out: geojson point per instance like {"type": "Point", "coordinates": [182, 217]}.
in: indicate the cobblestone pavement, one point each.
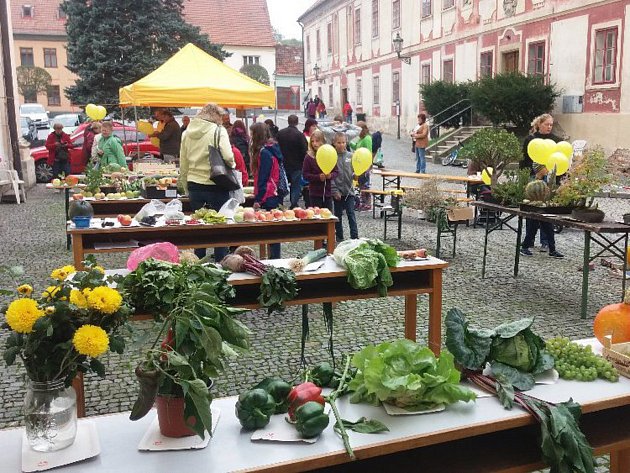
{"type": "Point", "coordinates": [32, 235]}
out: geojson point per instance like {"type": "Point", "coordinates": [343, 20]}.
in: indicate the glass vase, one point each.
{"type": "Point", "coordinates": [50, 415]}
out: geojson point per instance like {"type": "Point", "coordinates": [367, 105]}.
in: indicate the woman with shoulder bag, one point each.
{"type": "Point", "coordinates": [266, 163]}
{"type": "Point", "coordinates": [195, 168]}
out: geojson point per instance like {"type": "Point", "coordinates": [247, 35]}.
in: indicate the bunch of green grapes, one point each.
{"type": "Point", "coordinates": [208, 215]}
{"type": "Point", "coordinates": [578, 362]}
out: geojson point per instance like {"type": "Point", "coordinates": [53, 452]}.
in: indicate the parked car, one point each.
{"type": "Point", "coordinates": [70, 121]}
{"type": "Point", "coordinates": [127, 134]}
{"type": "Point", "coordinates": [35, 112]}
{"type": "Point", "coordinates": [28, 130]}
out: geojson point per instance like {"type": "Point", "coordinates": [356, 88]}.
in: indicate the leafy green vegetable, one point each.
{"type": "Point", "coordinates": [470, 346]}
{"type": "Point", "coordinates": [407, 375]}
{"type": "Point", "coordinates": [367, 263]}
{"type": "Point", "coordinates": [278, 285]}
{"type": "Point", "coordinates": [365, 426]}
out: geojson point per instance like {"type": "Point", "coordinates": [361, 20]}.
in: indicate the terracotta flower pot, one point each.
{"type": "Point", "coordinates": [170, 411]}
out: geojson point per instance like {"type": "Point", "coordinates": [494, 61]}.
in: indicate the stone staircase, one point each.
{"type": "Point", "coordinates": [442, 148]}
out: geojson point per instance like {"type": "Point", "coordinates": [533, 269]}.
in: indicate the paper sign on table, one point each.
{"type": "Point", "coordinates": [153, 440]}
{"type": "Point", "coordinates": [86, 445]}
{"type": "Point", "coordinates": [399, 411]}
{"type": "Point", "coordinates": [279, 430]}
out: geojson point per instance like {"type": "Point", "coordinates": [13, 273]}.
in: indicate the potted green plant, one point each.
{"type": "Point", "coordinates": [586, 177]}
{"type": "Point", "coordinates": [492, 149]}
{"type": "Point", "coordinates": [197, 333]}
{"type": "Point", "coordinates": [511, 190]}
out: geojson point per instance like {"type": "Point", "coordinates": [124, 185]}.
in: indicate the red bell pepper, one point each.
{"type": "Point", "coordinates": [303, 393]}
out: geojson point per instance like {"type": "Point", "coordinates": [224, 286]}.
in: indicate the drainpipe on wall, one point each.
{"type": "Point", "coordinates": [9, 93]}
{"type": "Point", "coordinates": [303, 59]}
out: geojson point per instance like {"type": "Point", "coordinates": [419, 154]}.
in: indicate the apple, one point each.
{"type": "Point", "coordinates": [278, 214]}
{"type": "Point", "coordinates": [56, 182]}
{"type": "Point", "coordinates": [421, 253]}
{"type": "Point", "coordinates": [129, 194]}
{"type": "Point", "coordinates": [325, 213]}
{"type": "Point", "coordinates": [99, 195]}
{"type": "Point", "coordinates": [124, 220]}
{"type": "Point", "coordinates": [249, 215]}
{"type": "Point", "coordinates": [317, 210]}
{"type": "Point", "coordinates": [289, 214]}
{"type": "Point", "coordinates": [77, 196]}
{"type": "Point", "coordinates": [299, 213]}
{"type": "Point", "coordinates": [310, 213]}
{"type": "Point", "coordinates": [239, 217]}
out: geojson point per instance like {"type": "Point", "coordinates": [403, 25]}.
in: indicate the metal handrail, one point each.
{"type": "Point", "coordinates": [448, 108]}
{"type": "Point", "coordinates": [461, 112]}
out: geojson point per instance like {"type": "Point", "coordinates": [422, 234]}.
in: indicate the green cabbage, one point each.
{"type": "Point", "coordinates": [407, 375]}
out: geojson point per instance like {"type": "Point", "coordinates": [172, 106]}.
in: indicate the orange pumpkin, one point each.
{"type": "Point", "coordinates": [72, 181]}
{"type": "Point", "coordinates": [614, 319]}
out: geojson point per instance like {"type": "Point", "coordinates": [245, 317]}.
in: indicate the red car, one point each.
{"type": "Point", "coordinates": [127, 135]}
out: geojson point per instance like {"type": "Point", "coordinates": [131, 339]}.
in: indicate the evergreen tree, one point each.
{"type": "Point", "coordinates": [112, 43]}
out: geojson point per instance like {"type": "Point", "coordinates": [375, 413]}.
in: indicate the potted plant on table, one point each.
{"type": "Point", "coordinates": [586, 177]}
{"type": "Point", "coordinates": [492, 150]}
{"type": "Point", "coordinates": [432, 201]}
{"type": "Point", "coordinates": [197, 332]}
{"type": "Point", "coordinates": [57, 335]}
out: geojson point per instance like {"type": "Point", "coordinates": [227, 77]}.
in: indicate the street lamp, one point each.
{"type": "Point", "coordinates": [316, 70]}
{"type": "Point", "coordinates": [398, 42]}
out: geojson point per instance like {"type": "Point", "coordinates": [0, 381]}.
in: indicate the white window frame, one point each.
{"type": "Point", "coordinates": [490, 49]}
{"type": "Point", "coordinates": [591, 65]}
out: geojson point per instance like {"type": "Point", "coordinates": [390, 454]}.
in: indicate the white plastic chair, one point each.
{"type": "Point", "coordinates": [9, 178]}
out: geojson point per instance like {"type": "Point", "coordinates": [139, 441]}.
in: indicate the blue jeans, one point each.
{"type": "Point", "coordinates": [421, 162]}
{"type": "Point", "coordinates": [270, 204]}
{"type": "Point", "coordinates": [546, 234]}
{"type": "Point", "coordinates": [295, 183]}
{"type": "Point", "coordinates": [346, 203]}
{"type": "Point", "coordinates": [61, 167]}
{"type": "Point", "coordinates": [212, 197]}
{"type": "Point", "coordinates": [349, 118]}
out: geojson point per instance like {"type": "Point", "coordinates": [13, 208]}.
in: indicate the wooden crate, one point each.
{"type": "Point", "coordinates": [618, 354]}
{"type": "Point", "coordinates": [457, 214]}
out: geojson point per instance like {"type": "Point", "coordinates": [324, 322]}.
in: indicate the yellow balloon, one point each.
{"type": "Point", "coordinates": [551, 145]}
{"type": "Point", "coordinates": [536, 149]}
{"type": "Point", "coordinates": [155, 142]}
{"type": "Point", "coordinates": [144, 127]}
{"type": "Point", "coordinates": [486, 176]}
{"type": "Point", "coordinates": [90, 111]}
{"type": "Point", "coordinates": [326, 158]}
{"type": "Point", "coordinates": [559, 161]}
{"type": "Point", "coordinates": [361, 161]}
{"type": "Point", "coordinates": [565, 148]}
{"type": "Point", "coordinates": [101, 112]}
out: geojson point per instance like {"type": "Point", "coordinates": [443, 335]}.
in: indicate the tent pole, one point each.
{"type": "Point", "coordinates": [122, 113]}
{"type": "Point", "coordinates": [135, 116]}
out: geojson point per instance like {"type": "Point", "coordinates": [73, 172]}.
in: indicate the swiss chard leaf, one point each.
{"type": "Point", "coordinates": [470, 346]}
{"type": "Point", "coordinates": [511, 329]}
{"type": "Point", "coordinates": [505, 391]}
{"type": "Point", "coordinates": [518, 379]}
{"type": "Point", "coordinates": [364, 426]}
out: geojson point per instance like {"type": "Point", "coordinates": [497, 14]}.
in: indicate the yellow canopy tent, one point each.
{"type": "Point", "coordinates": [192, 78]}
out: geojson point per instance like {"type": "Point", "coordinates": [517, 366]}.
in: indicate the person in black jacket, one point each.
{"type": "Point", "coordinates": [294, 147]}
{"type": "Point", "coordinates": [541, 128]}
{"type": "Point", "coordinates": [240, 139]}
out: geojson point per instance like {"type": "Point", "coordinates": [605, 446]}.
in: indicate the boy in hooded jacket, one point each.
{"type": "Point", "coordinates": [343, 189]}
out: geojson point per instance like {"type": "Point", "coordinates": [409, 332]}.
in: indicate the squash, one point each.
{"type": "Point", "coordinates": [537, 191]}
{"type": "Point", "coordinates": [80, 208]}
{"type": "Point", "coordinates": [614, 319]}
{"type": "Point", "coordinates": [71, 181]}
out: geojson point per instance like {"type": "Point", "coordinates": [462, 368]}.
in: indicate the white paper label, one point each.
{"type": "Point", "coordinates": [170, 193]}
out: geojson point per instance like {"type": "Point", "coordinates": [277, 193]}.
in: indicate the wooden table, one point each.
{"type": "Point", "coordinates": [66, 203]}
{"type": "Point", "coordinates": [480, 437]}
{"type": "Point", "coordinates": [598, 233]}
{"type": "Point", "coordinates": [112, 208]}
{"type": "Point", "coordinates": [203, 236]}
{"type": "Point", "coordinates": [392, 177]}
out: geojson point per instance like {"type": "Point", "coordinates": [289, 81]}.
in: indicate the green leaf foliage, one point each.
{"type": "Point", "coordinates": [278, 285]}
{"type": "Point", "coordinates": [113, 43]}
{"type": "Point", "coordinates": [492, 148]}
{"type": "Point", "coordinates": [406, 374]}
{"type": "Point", "coordinates": [363, 425]}
{"type": "Point", "coordinates": [440, 95]}
{"type": "Point", "coordinates": [256, 72]}
{"type": "Point", "coordinates": [470, 346]}
{"type": "Point", "coordinates": [512, 98]}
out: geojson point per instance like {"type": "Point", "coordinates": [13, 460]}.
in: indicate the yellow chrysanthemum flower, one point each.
{"type": "Point", "coordinates": [104, 299]}
{"type": "Point", "coordinates": [50, 310]}
{"type": "Point", "coordinates": [50, 292]}
{"type": "Point", "coordinates": [25, 289]}
{"type": "Point", "coordinates": [78, 298]}
{"type": "Point", "coordinates": [62, 273]}
{"type": "Point", "coordinates": [90, 340]}
{"type": "Point", "coordinates": [100, 269]}
{"type": "Point", "coordinates": [22, 314]}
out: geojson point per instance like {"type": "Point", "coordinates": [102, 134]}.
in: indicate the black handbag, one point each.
{"type": "Point", "coordinates": [221, 175]}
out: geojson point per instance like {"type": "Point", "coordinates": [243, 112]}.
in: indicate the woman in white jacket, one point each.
{"type": "Point", "coordinates": [194, 163]}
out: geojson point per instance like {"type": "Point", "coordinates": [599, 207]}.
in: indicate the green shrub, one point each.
{"type": "Point", "coordinates": [256, 72]}
{"type": "Point", "coordinates": [439, 95]}
{"type": "Point", "coordinates": [492, 148]}
{"type": "Point", "coordinates": [512, 98]}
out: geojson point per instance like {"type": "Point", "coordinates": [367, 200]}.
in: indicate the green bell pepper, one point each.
{"type": "Point", "coordinates": [310, 419]}
{"type": "Point", "coordinates": [279, 390]}
{"type": "Point", "coordinates": [254, 409]}
{"type": "Point", "coordinates": [322, 374]}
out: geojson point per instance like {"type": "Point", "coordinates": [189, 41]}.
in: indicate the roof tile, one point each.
{"type": "Point", "coordinates": [289, 60]}
{"type": "Point", "coordinates": [45, 17]}
{"type": "Point", "coordinates": [232, 22]}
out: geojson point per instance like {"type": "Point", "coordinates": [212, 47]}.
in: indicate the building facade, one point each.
{"type": "Point", "coordinates": [8, 92]}
{"type": "Point", "coordinates": [576, 44]}
{"type": "Point", "coordinates": [242, 27]}
{"type": "Point", "coordinates": [289, 77]}
{"type": "Point", "coordinates": [39, 36]}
